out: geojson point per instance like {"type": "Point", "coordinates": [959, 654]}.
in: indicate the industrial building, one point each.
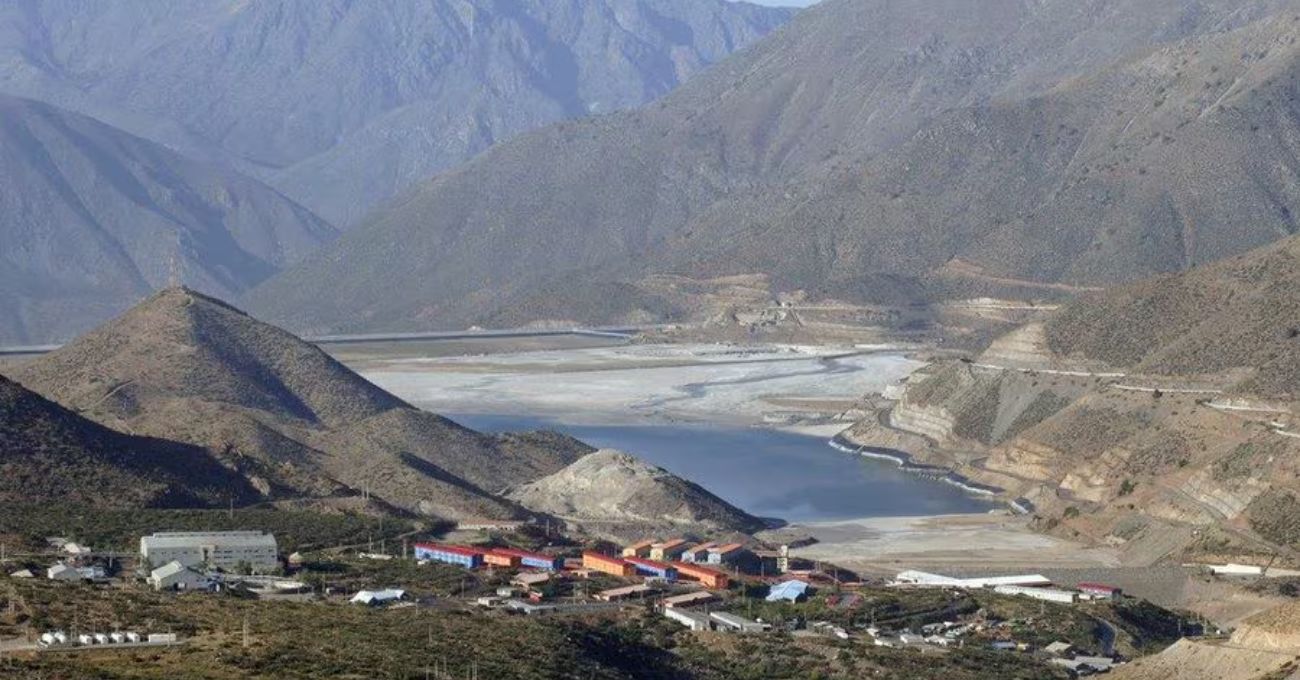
{"type": "Point", "coordinates": [176, 576]}
{"type": "Point", "coordinates": [668, 550]}
{"type": "Point", "coordinates": [789, 591]}
{"type": "Point", "coordinates": [698, 553]}
{"type": "Point", "coordinates": [725, 554]}
{"type": "Point", "coordinates": [62, 572]}
{"type": "Point", "coordinates": [529, 579]}
{"type": "Point", "coordinates": [646, 567]}
{"type": "Point", "coordinates": [533, 560]}
{"type": "Point", "coordinates": [375, 598]}
{"type": "Point", "coordinates": [608, 565]}
{"type": "Point", "coordinates": [690, 619]}
{"type": "Point", "coordinates": [1049, 594]}
{"type": "Point", "coordinates": [496, 558]}
{"type": "Point", "coordinates": [740, 624]}
{"type": "Point", "coordinates": [926, 579]}
{"type": "Point", "coordinates": [464, 556]}
{"type": "Point", "coordinates": [711, 578]}
{"type": "Point", "coordinates": [1100, 591]}
{"type": "Point", "coordinates": [625, 593]}
{"type": "Point", "coordinates": [226, 550]}
{"type": "Point", "coordinates": [690, 599]}
{"type": "Point", "coordinates": [639, 549]}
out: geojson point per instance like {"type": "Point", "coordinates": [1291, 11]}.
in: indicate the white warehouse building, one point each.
{"type": "Point", "coordinates": [227, 550]}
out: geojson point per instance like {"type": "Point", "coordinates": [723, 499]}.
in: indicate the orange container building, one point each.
{"type": "Point", "coordinates": [711, 578]}
{"type": "Point", "coordinates": [499, 559]}
{"type": "Point", "coordinates": [609, 565]}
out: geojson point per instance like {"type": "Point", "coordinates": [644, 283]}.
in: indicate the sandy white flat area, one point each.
{"type": "Point", "coordinates": [703, 382]}
{"type": "Point", "coordinates": [984, 541]}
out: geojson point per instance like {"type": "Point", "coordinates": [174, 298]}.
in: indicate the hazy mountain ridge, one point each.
{"type": "Point", "coordinates": [344, 104]}
{"type": "Point", "coordinates": [863, 149]}
{"type": "Point", "coordinates": [292, 420]}
{"type": "Point", "coordinates": [95, 219]}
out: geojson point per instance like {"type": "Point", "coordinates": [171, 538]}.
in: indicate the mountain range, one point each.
{"type": "Point", "coordinates": [220, 406]}
{"type": "Point", "coordinates": [93, 219]}
{"type": "Point", "coordinates": [295, 423]}
{"type": "Point", "coordinates": [342, 104]}
{"type": "Point", "coordinates": [868, 151]}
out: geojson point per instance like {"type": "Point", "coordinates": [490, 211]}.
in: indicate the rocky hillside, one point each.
{"type": "Point", "coordinates": [1239, 319]}
{"type": "Point", "coordinates": [95, 219]}
{"type": "Point", "coordinates": [51, 455]}
{"type": "Point", "coordinates": [618, 495]}
{"type": "Point", "coordinates": [293, 421]}
{"type": "Point", "coordinates": [343, 104]}
{"type": "Point", "coordinates": [1160, 416]}
{"type": "Point", "coordinates": [869, 151]}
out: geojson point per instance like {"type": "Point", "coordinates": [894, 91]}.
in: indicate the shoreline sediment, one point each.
{"type": "Point", "coordinates": [905, 463]}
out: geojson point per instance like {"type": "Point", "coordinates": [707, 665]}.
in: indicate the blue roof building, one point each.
{"type": "Point", "coordinates": [790, 591]}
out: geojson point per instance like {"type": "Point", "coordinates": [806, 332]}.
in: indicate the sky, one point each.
{"type": "Point", "coordinates": [784, 3]}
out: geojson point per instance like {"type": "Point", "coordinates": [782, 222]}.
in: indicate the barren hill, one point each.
{"type": "Point", "coordinates": [1239, 317]}
{"type": "Point", "coordinates": [49, 454]}
{"type": "Point", "coordinates": [868, 151]}
{"type": "Point", "coordinates": [613, 493]}
{"type": "Point", "coordinates": [95, 219]}
{"type": "Point", "coordinates": [187, 367]}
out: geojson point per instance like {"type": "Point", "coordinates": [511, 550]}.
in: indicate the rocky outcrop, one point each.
{"type": "Point", "coordinates": [613, 493]}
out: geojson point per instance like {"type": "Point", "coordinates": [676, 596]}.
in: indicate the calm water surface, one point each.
{"type": "Point", "coordinates": [767, 473]}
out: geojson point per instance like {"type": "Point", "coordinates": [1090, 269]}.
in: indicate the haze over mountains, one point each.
{"type": "Point", "coordinates": [342, 104]}
{"type": "Point", "coordinates": [92, 219]}
{"type": "Point", "coordinates": [869, 151]}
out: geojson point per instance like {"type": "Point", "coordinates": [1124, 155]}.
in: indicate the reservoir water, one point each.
{"type": "Point", "coordinates": [766, 472]}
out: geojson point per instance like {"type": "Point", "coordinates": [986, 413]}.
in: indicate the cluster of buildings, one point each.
{"type": "Point", "coordinates": [1035, 586]}
{"type": "Point", "coordinates": [722, 621]}
{"type": "Point", "coordinates": [629, 567]}
{"type": "Point", "coordinates": [678, 549]}
{"type": "Point", "coordinates": [252, 551]}
{"type": "Point", "coordinates": [59, 638]}
{"type": "Point", "coordinates": [473, 558]}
